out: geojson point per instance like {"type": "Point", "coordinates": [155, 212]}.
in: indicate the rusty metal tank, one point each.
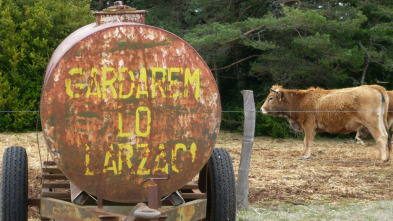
{"type": "Point", "coordinates": [123, 102]}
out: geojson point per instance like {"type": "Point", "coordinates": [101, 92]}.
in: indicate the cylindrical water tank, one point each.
{"type": "Point", "coordinates": [123, 102]}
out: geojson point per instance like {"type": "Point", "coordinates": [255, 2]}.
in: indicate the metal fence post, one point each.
{"type": "Point", "coordinates": [242, 189]}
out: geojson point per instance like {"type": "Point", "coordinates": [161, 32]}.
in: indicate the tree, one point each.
{"type": "Point", "coordinates": [248, 44]}
{"type": "Point", "coordinates": [376, 41]}
{"type": "Point", "coordinates": [29, 33]}
{"type": "Point", "coordinates": [330, 44]}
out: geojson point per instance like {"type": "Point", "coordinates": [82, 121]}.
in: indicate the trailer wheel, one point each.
{"type": "Point", "coordinates": [13, 202]}
{"type": "Point", "coordinates": [217, 180]}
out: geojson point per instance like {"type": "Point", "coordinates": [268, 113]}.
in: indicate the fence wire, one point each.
{"type": "Point", "coordinates": [300, 111]}
{"type": "Point", "coordinates": [239, 111]}
{"type": "Point", "coordinates": [326, 160]}
{"type": "Point", "coordinates": [304, 111]}
{"type": "Point", "coordinates": [19, 111]}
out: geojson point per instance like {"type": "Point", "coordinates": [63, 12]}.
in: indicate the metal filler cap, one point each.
{"type": "Point", "coordinates": [123, 102]}
{"type": "Point", "coordinates": [120, 13]}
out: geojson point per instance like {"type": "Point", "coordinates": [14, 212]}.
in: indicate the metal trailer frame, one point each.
{"type": "Point", "coordinates": [213, 197]}
{"type": "Point", "coordinates": [63, 210]}
{"type": "Point", "coordinates": [56, 202]}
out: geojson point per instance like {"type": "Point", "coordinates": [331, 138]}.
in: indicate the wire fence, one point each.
{"type": "Point", "coordinates": [326, 160]}
{"type": "Point", "coordinates": [19, 111]}
{"type": "Point", "coordinates": [238, 111]}
{"type": "Point", "coordinates": [224, 111]}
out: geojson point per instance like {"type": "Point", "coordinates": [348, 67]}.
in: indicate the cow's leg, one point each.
{"type": "Point", "coordinates": [308, 140]}
{"type": "Point", "coordinates": [358, 139]}
{"type": "Point", "coordinates": [389, 130]}
{"type": "Point", "coordinates": [380, 135]}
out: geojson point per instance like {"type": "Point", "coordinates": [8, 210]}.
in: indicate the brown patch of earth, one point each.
{"type": "Point", "coordinates": [339, 169]}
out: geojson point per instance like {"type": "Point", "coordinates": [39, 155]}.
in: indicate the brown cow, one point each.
{"type": "Point", "coordinates": [363, 133]}
{"type": "Point", "coordinates": [334, 111]}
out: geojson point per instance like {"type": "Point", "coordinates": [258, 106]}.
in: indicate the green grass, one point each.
{"type": "Point", "coordinates": [381, 210]}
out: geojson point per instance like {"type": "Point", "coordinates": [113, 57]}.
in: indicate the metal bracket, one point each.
{"type": "Point", "coordinates": [176, 199]}
{"type": "Point", "coordinates": [160, 178]}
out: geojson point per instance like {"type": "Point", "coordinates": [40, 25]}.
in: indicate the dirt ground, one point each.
{"type": "Point", "coordinates": [339, 169]}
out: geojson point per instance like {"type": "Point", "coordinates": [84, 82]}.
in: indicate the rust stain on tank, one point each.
{"type": "Point", "coordinates": [122, 102]}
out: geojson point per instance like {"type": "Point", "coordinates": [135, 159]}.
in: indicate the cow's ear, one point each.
{"type": "Point", "coordinates": [281, 94]}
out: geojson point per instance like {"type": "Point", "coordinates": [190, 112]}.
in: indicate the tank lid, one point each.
{"type": "Point", "coordinates": [120, 13]}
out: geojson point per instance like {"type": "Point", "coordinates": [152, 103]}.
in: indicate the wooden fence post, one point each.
{"type": "Point", "coordinates": [242, 189]}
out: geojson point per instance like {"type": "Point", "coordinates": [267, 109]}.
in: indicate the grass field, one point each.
{"type": "Point", "coordinates": [380, 210]}
{"type": "Point", "coordinates": [343, 181]}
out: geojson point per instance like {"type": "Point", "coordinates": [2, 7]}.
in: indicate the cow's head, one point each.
{"type": "Point", "coordinates": [274, 102]}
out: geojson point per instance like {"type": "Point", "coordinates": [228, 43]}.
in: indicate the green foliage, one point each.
{"type": "Point", "coordinates": [29, 33]}
{"type": "Point", "coordinates": [274, 127]}
{"type": "Point", "coordinates": [330, 44]}
{"type": "Point", "coordinates": [233, 120]}
{"type": "Point", "coordinates": [211, 35]}
{"type": "Point", "coordinates": [249, 44]}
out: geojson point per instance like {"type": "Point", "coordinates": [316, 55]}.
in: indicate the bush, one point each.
{"type": "Point", "coordinates": [273, 126]}
{"type": "Point", "coordinates": [30, 31]}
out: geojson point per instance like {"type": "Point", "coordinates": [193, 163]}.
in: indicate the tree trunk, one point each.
{"type": "Point", "coordinates": [364, 73]}
{"type": "Point", "coordinates": [241, 84]}
{"type": "Point", "coordinates": [216, 74]}
{"type": "Point", "coordinates": [367, 60]}
{"type": "Point", "coordinates": [240, 76]}
{"type": "Point", "coordinates": [241, 80]}
{"type": "Point", "coordinates": [101, 4]}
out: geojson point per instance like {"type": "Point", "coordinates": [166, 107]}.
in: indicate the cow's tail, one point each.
{"type": "Point", "coordinates": [385, 104]}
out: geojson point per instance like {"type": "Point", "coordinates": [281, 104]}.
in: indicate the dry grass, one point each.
{"type": "Point", "coordinates": [346, 172]}
{"type": "Point", "coordinates": [276, 174]}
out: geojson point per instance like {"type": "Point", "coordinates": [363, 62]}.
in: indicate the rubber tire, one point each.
{"type": "Point", "coordinates": [14, 185]}
{"type": "Point", "coordinates": [217, 180]}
